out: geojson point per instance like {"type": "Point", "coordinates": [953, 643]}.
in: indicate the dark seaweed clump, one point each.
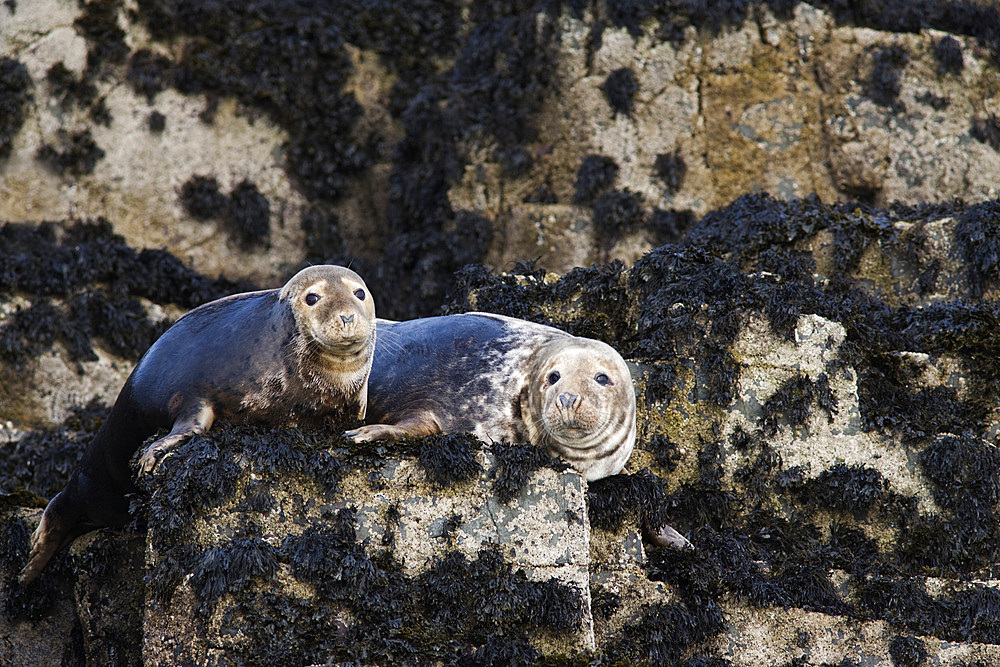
{"type": "Point", "coordinates": [98, 24]}
{"type": "Point", "coordinates": [514, 465]}
{"type": "Point", "coordinates": [618, 212]}
{"type": "Point", "coordinates": [75, 153]}
{"type": "Point", "coordinates": [986, 130]}
{"type": "Point", "coordinates": [157, 122]}
{"type": "Point", "coordinates": [249, 216]}
{"type": "Point", "coordinates": [40, 462]}
{"type": "Point", "coordinates": [790, 404]}
{"type": "Point", "coordinates": [450, 458]}
{"type": "Point", "coordinates": [34, 602]}
{"type": "Point", "coordinates": [596, 174]}
{"type": "Point", "coordinates": [671, 169]}
{"type": "Point", "coordinates": [148, 73]}
{"type": "Point", "coordinates": [619, 88]}
{"type": "Point", "coordinates": [948, 53]}
{"type": "Point", "coordinates": [15, 94]}
{"type": "Point", "coordinates": [67, 89]}
{"type": "Point", "coordinates": [976, 234]}
{"type": "Point", "coordinates": [202, 199]}
{"type": "Point", "coordinates": [883, 85]}
{"type": "Point", "coordinates": [246, 211]}
{"type": "Point", "coordinates": [907, 651]}
{"type": "Point", "coordinates": [98, 277]}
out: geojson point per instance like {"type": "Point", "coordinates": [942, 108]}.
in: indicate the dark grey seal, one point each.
{"type": "Point", "coordinates": [275, 356]}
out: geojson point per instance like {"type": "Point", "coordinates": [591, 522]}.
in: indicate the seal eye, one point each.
{"type": "Point", "coordinates": [553, 377]}
{"type": "Point", "coordinates": [602, 379]}
{"type": "Point", "coordinates": [312, 298]}
{"type": "Point", "coordinates": [360, 293]}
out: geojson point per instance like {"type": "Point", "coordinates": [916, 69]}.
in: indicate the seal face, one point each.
{"type": "Point", "coordinates": [274, 356]}
{"type": "Point", "coordinates": [503, 378]}
{"type": "Point", "coordinates": [581, 404]}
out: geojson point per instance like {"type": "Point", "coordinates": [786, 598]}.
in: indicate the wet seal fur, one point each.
{"type": "Point", "coordinates": [276, 356]}
{"type": "Point", "coordinates": [503, 378]}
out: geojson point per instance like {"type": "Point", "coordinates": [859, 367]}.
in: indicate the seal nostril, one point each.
{"type": "Point", "coordinates": [347, 318]}
{"type": "Point", "coordinates": [568, 400]}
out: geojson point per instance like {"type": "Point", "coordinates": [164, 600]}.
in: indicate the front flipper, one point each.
{"type": "Point", "coordinates": [194, 420]}
{"type": "Point", "coordinates": [422, 423]}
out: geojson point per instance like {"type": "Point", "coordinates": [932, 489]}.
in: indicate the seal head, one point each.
{"type": "Point", "coordinates": [335, 331]}
{"type": "Point", "coordinates": [579, 403]}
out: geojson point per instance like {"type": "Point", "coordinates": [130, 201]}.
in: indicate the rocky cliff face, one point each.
{"type": "Point", "coordinates": [789, 214]}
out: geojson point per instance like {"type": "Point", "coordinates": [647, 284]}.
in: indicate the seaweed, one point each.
{"type": "Point", "coordinates": [148, 73]}
{"type": "Point", "coordinates": [323, 241]}
{"type": "Point", "coordinates": [671, 169]}
{"type": "Point", "coordinates": [228, 569]}
{"type": "Point", "coordinates": [883, 86]}
{"type": "Point", "coordinates": [41, 460]}
{"type": "Point", "coordinates": [15, 95]}
{"type": "Point", "coordinates": [666, 632]}
{"type": "Point", "coordinates": [855, 489]}
{"type": "Point", "coordinates": [619, 88]}
{"type": "Point", "coordinates": [248, 218]}
{"type": "Point", "coordinates": [617, 212]}
{"type": "Point", "coordinates": [514, 465]}
{"type": "Point", "coordinates": [98, 278]}
{"type": "Point", "coordinates": [791, 402]}
{"type": "Point", "coordinates": [987, 131]}
{"type": "Point", "coordinates": [157, 122]}
{"type": "Point", "coordinates": [449, 459]}
{"type": "Point", "coordinates": [75, 153]}
{"type": "Point", "coordinates": [595, 174]}
{"type": "Point", "coordinates": [98, 24]}
{"type": "Point", "coordinates": [907, 651]}
{"type": "Point", "coordinates": [948, 52]}
{"type": "Point", "coordinates": [202, 199]}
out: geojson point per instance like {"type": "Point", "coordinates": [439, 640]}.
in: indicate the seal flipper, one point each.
{"type": "Point", "coordinates": [418, 423]}
{"type": "Point", "coordinates": [194, 420]}
{"type": "Point", "coordinates": [56, 529]}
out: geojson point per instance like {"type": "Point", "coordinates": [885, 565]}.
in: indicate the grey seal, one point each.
{"type": "Point", "coordinates": [503, 378]}
{"type": "Point", "coordinates": [277, 356]}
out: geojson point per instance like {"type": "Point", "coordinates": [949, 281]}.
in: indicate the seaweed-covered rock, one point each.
{"type": "Point", "coordinates": [361, 556]}
{"type": "Point", "coordinates": [817, 381]}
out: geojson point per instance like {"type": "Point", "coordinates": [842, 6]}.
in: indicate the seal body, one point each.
{"type": "Point", "coordinates": [502, 378]}
{"type": "Point", "coordinates": [274, 356]}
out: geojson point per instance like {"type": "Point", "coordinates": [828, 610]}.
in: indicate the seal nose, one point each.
{"type": "Point", "coordinates": [568, 400]}
{"type": "Point", "coordinates": [347, 318]}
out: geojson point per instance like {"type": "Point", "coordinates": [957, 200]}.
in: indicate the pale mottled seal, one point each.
{"type": "Point", "coordinates": [503, 378]}
{"type": "Point", "coordinates": [275, 356]}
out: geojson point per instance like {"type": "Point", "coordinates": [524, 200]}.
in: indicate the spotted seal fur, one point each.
{"type": "Point", "coordinates": [502, 378]}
